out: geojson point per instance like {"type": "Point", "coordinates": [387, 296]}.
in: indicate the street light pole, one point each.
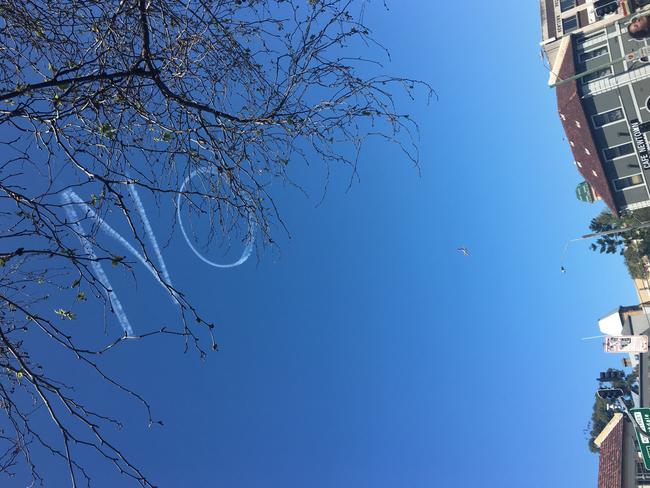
{"type": "Point", "coordinates": [620, 230]}
{"type": "Point", "coordinates": [642, 225]}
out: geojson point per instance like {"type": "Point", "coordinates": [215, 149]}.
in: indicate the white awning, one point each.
{"type": "Point", "coordinates": [611, 325]}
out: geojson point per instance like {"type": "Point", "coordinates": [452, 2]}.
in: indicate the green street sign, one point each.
{"type": "Point", "coordinates": [584, 193]}
{"type": "Point", "coordinates": [641, 424]}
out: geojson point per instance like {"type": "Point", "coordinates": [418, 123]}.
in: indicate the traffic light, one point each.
{"type": "Point", "coordinates": [610, 393]}
{"type": "Point", "coordinates": [611, 375]}
{"type": "Point", "coordinates": [604, 7]}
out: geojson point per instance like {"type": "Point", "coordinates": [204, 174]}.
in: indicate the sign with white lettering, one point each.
{"type": "Point", "coordinates": [641, 144]}
{"type": "Point", "coordinates": [642, 424]}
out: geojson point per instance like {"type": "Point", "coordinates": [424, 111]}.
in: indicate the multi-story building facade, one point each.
{"type": "Point", "coordinates": [605, 110]}
{"type": "Point", "coordinates": [563, 17]}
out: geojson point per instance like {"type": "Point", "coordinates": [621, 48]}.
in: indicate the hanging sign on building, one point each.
{"type": "Point", "coordinates": [633, 344]}
{"type": "Point", "coordinates": [641, 145]}
{"type": "Point", "coordinates": [641, 424]}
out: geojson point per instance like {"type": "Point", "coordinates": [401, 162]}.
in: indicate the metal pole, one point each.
{"type": "Point", "coordinates": [642, 225]}
{"type": "Point", "coordinates": [613, 231]}
{"type": "Point", "coordinates": [588, 72]}
{"type": "Point", "coordinates": [633, 56]}
{"type": "Point", "coordinates": [622, 406]}
{"type": "Point", "coordinates": [635, 424]}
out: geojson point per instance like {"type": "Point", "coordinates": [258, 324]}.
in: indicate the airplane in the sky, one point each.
{"type": "Point", "coordinates": [463, 250]}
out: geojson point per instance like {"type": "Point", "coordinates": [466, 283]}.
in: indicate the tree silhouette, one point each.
{"type": "Point", "coordinates": [204, 104]}
{"type": "Point", "coordinates": [634, 245]}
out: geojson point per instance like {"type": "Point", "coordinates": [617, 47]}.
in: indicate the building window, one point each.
{"type": "Point", "coordinates": [594, 53]}
{"type": "Point", "coordinates": [566, 5]}
{"type": "Point", "coordinates": [628, 182]}
{"type": "Point", "coordinates": [597, 75]}
{"type": "Point", "coordinates": [597, 36]}
{"type": "Point", "coordinates": [569, 24]}
{"type": "Point", "coordinates": [605, 7]}
{"type": "Point", "coordinates": [619, 151]}
{"type": "Point", "coordinates": [608, 117]}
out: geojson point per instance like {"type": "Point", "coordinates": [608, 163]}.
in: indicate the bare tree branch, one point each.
{"type": "Point", "coordinates": [204, 106]}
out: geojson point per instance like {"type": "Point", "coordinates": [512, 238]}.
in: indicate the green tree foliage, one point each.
{"type": "Point", "coordinates": [600, 415]}
{"type": "Point", "coordinates": [612, 243]}
{"type": "Point", "coordinates": [633, 245]}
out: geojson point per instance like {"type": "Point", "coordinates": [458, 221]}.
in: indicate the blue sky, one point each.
{"type": "Point", "coordinates": [369, 353]}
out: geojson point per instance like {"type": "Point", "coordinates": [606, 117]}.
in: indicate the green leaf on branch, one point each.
{"type": "Point", "coordinates": [106, 130]}
{"type": "Point", "coordinates": [65, 314]}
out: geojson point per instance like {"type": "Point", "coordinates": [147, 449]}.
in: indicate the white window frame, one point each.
{"type": "Point", "coordinates": [596, 48]}
{"type": "Point", "coordinates": [628, 187]}
{"type": "Point", "coordinates": [574, 17]}
{"type": "Point", "coordinates": [593, 117]}
{"type": "Point", "coordinates": [619, 157]}
{"type": "Point", "coordinates": [592, 35]}
{"type": "Point", "coordinates": [610, 72]}
{"type": "Point", "coordinates": [593, 38]}
{"type": "Point", "coordinates": [568, 8]}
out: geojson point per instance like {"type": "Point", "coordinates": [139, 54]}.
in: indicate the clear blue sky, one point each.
{"type": "Point", "coordinates": [369, 353]}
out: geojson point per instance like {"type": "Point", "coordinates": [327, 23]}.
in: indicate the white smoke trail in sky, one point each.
{"type": "Point", "coordinates": [108, 230]}
{"type": "Point", "coordinates": [250, 240]}
{"type": "Point", "coordinates": [149, 231]}
{"type": "Point", "coordinates": [97, 267]}
{"type": "Point", "coordinates": [70, 199]}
